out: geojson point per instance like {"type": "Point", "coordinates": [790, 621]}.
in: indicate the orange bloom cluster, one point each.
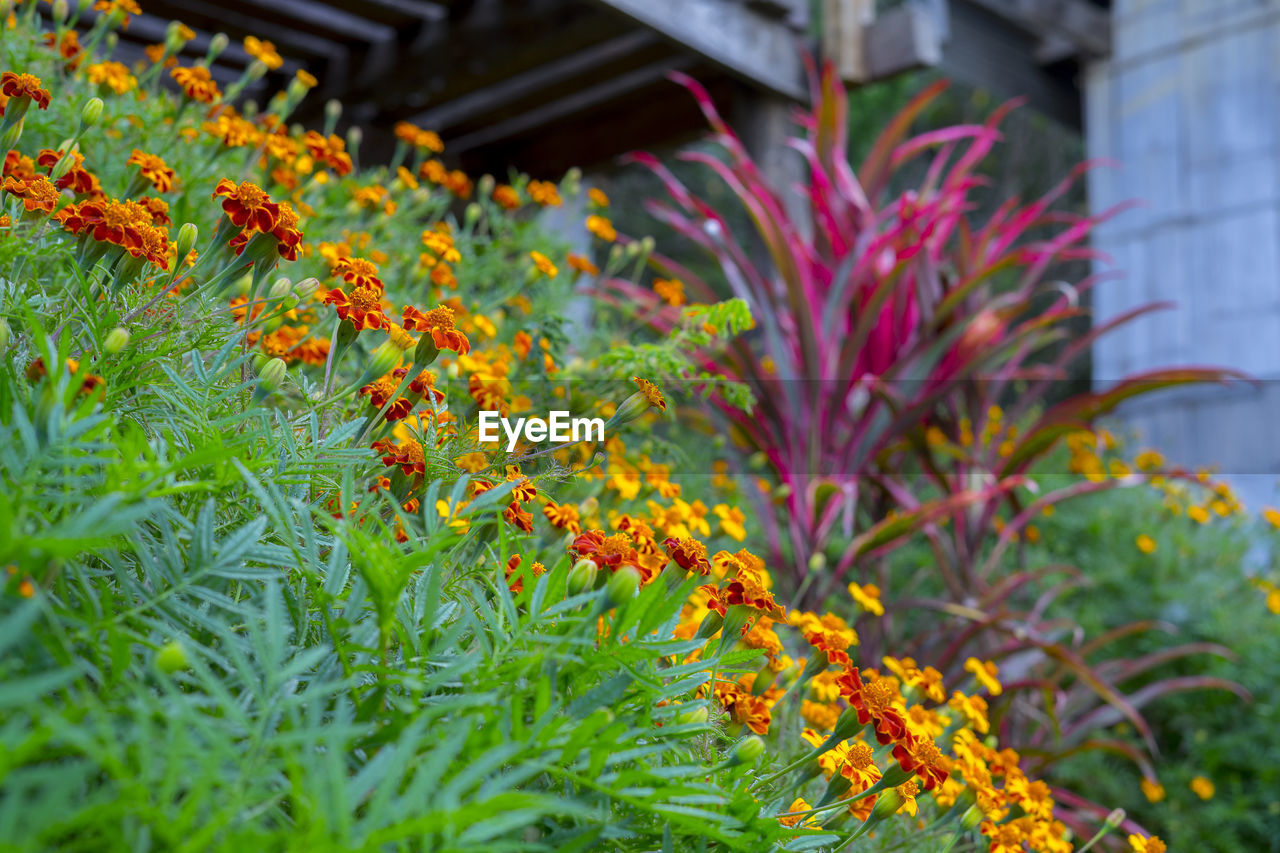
{"type": "Point", "coordinates": [77, 179]}
{"type": "Point", "coordinates": [38, 193]}
{"type": "Point", "coordinates": [331, 151]}
{"type": "Point", "coordinates": [197, 83]}
{"type": "Point", "coordinates": [249, 208]}
{"type": "Point", "coordinates": [455, 181]}
{"type": "Point", "coordinates": [126, 224]}
{"type": "Point", "coordinates": [363, 307]}
{"type": "Point", "coordinates": [411, 134]}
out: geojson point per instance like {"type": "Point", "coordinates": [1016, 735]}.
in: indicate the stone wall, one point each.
{"type": "Point", "coordinates": [1189, 106]}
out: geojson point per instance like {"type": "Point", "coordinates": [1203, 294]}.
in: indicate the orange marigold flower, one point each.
{"type": "Point", "coordinates": [155, 170]}
{"type": "Point", "coordinates": [363, 307]}
{"type": "Point", "coordinates": [506, 196]}
{"type": "Point", "coordinates": [602, 228]}
{"type": "Point", "coordinates": [516, 516]}
{"type": "Point", "coordinates": [263, 51]}
{"type": "Point", "coordinates": [68, 47]}
{"type": "Point", "coordinates": [563, 516]}
{"type": "Point", "coordinates": [114, 75]}
{"type": "Point", "coordinates": [670, 290]}
{"type": "Point", "coordinates": [358, 272]}
{"type": "Point", "coordinates": [418, 138]}
{"type": "Point", "coordinates": [379, 392]}
{"type": "Point", "coordinates": [688, 554]}
{"type": "Point", "coordinates": [16, 86]}
{"type": "Point", "coordinates": [120, 8]}
{"type": "Point", "coordinates": [439, 323]}
{"type": "Point", "coordinates": [583, 264]}
{"type": "Point", "coordinates": [407, 454]}
{"type": "Point", "coordinates": [544, 265]}
{"type": "Point", "coordinates": [37, 371]}
{"type": "Point", "coordinates": [876, 702]}
{"type": "Point", "coordinates": [651, 393]}
{"type": "Point", "coordinates": [545, 193]}
{"type": "Point", "coordinates": [331, 151]}
{"type": "Point", "coordinates": [744, 708]}
{"type": "Point", "coordinates": [248, 205]}
{"type": "Point", "coordinates": [1153, 844]}
{"type": "Point", "coordinates": [38, 194]}
{"type": "Point", "coordinates": [597, 196]}
{"type": "Point", "coordinates": [985, 672]}
{"type": "Point", "coordinates": [922, 757]}
{"type": "Point", "coordinates": [197, 83]}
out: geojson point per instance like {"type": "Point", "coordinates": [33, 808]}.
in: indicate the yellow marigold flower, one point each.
{"type": "Point", "coordinates": [306, 79]}
{"type": "Point", "coordinates": [1202, 787]}
{"type": "Point", "coordinates": [598, 198]}
{"type": "Point", "coordinates": [602, 228]}
{"type": "Point", "coordinates": [867, 597]}
{"type": "Point", "coordinates": [1152, 790]}
{"type": "Point", "coordinates": [461, 525]}
{"type": "Point", "coordinates": [1272, 515]}
{"type": "Point", "coordinates": [544, 265]}
{"type": "Point", "coordinates": [798, 805]}
{"type": "Point", "coordinates": [114, 75]}
{"type": "Point", "coordinates": [985, 672]}
{"type": "Point", "coordinates": [731, 521]}
{"type": "Point", "coordinates": [1198, 514]}
{"type": "Point", "coordinates": [583, 264]}
{"type": "Point", "coordinates": [1138, 844]}
{"type": "Point", "coordinates": [1145, 543]}
{"type": "Point", "coordinates": [544, 193]}
{"type": "Point", "coordinates": [973, 709]}
{"type": "Point", "coordinates": [263, 51]}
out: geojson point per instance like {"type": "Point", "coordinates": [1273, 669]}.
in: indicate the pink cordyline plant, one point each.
{"type": "Point", "coordinates": [878, 319]}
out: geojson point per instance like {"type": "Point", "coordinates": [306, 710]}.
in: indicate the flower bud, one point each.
{"type": "Point", "coordinates": [256, 70]}
{"type": "Point", "coordinates": [332, 109]}
{"type": "Point", "coordinates": [697, 715]}
{"type": "Point", "coordinates": [354, 137]}
{"type": "Point", "coordinates": [472, 214]}
{"type": "Point", "coordinates": [307, 288]}
{"type": "Point", "coordinates": [90, 113]}
{"type": "Point", "coordinates": [59, 10]}
{"type": "Point", "coordinates": [383, 360]}
{"type": "Point", "coordinates": [281, 288]}
{"type": "Point", "coordinates": [270, 377]}
{"type": "Point", "coordinates": [171, 657]}
{"type": "Point", "coordinates": [647, 245]}
{"type": "Point", "coordinates": [747, 751]}
{"type": "Point", "coordinates": [887, 804]}
{"type": "Point", "coordinates": [485, 186]}
{"type": "Point", "coordinates": [217, 45]}
{"type": "Point", "coordinates": [116, 340]}
{"type": "Point", "coordinates": [1116, 818]}
{"type": "Point", "coordinates": [173, 37]}
{"type": "Point", "coordinates": [582, 576]}
{"type": "Point", "coordinates": [186, 241]}
{"type": "Point", "coordinates": [6, 334]}
{"type": "Point", "coordinates": [623, 585]}
{"type": "Point", "coordinates": [632, 250]}
{"type": "Point", "coordinates": [9, 140]}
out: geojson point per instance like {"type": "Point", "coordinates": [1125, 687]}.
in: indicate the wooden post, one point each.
{"type": "Point", "coordinates": [844, 37]}
{"type": "Point", "coordinates": [764, 122]}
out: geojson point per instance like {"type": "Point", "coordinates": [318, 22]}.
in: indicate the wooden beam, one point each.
{"type": "Point", "coordinates": [513, 89]}
{"type": "Point", "coordinates": [584, 99]}
{"type": "Point", "coordinates": [901, 39]}
{"type": "Point", "coordinates": [728, 34]}
{"type": "Point", "coordinates": [1079, 22]}
{"type": "Point", "coordinates": [844, 37]}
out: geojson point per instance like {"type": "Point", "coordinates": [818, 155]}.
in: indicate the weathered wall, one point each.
{"type": "Point", "coordinates": [1189, 104]}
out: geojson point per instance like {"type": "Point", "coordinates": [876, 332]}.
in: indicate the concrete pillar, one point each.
{"type": "Point", "coordinates": [1189, 104]}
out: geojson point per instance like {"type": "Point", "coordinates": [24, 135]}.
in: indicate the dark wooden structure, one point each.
{"type": "Point", "coordinates": [544, 84]}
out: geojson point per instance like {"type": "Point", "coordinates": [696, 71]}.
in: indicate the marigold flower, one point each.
{"type": "Point", "coordinates": [114, 75]}
{"type": "Point", "coordinates": [1145, 543]}
{"type": "Point", "coordinates": [263, 51]}
{"type": "Point", "coordinates": [506, 196]}
{"type": "Point", "coordinates": [1152, 790]}
{"type": "Point", "coordinates": [120, 8]}
{"type": "Point", "coordinates": [563, 516]}
{"type": "Point", "coordinates": [583, 264]}
{"type": "Point", "coordinates": [1153, 844]}
{"type": "Point", "coordinates": [602, 228]}
{"type": "Point", "coordinates": [922, 757]}
{"type": "Point", "coordinates": [413, 135]}
{"type": "Point", "coordinates": [597, 197]}
{"type": "Point", "coordinates": [358, 272]}
{"type": "Point", "coordinates": [1202, 787]}
{"type": "Point", "coordinates": [867, 597]}
{"type": "Point", "coordinates": [973, 709]}
{"type": "Point", "coordinates": [688, 554]}
{"type": "Point", "coordinates": [155, 170]}
{"type": "Point", "coordinates": [76, 178]}
{"type": "Point", "coordinates": [985, 672]}
{"type": "Point", "coordinates": [37, 371]}
{"type": "Point", "coordinates": [332, 151]}
{"type": "Point", "coordinates": [670, 291]}
{"type": "Point", "coordinates": [38, 194]}
{"type": "Point", "coordinates": [197, 83]}
{"type": "Point", "coordinates": [407, 454]}
{"type": "Point", "coordinates": [876, 702]}
{"type": "Point", "coordinates": [439, 323]}
{"type": "Point", "coordinates": [544, 265]}
{"type": "Point", "coordinates": [744, 708]}
{"type": "Point", "coordinates": [248, 205]}
{"type": "Point", "coordinates": [16, 86]}
{"type": "Point", "coordinates": [544, 193]}
{"type": "Point", "coordinates": [379, 393]}
{"type": "Point", "coordinates": [363, 307]}
{"type": "Point", "coordinates": [68, 47]}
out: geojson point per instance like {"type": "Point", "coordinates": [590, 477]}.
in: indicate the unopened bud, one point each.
{"type": "Point", "coordinates": [256, 70]}
{"type": "Point", "coordinates": [6, 334]}
{"type": "Point", "coordinates": [354, 137]}
{"type": "Point", "coordinates": [186, 241]}
{"type": "Point", "coordinates": [1116, 818]}
{"type": "Point", "coordinates": [59, 10]}
{"type": "Point", "coordinates": [485, 185]}
{"type": "Point", "coordinates": [217, 45]}
{"type": "Point", "coordinates": [281, 288]}
{"type": "Point", "coordinates": [90, 113]}
{"type": "Point", "coordinates": [332, 109]}
{"type": "Point", "coordinates": [116, 340]}
{"type": "Point", "coordinates": [307, 288]}
{"type": "Point", "coordinates": [747, 751]}
{"type": "Point", "coordinates": [270, 376]}
{"type": "Point", "coordinates": [582, 576]}
{"type": "Point", "coordinates": [623, 585]}
{"type": "Point", "coordinates": [472, 214]}
{"type": "Point", "coordinates": [697, 715]}
{"type": "Point", "coordinates": [9, 140]}
{"type": "Point", "coordinates": [171, 658]}
{"type": "Point", "coordinates": [817, 562]}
